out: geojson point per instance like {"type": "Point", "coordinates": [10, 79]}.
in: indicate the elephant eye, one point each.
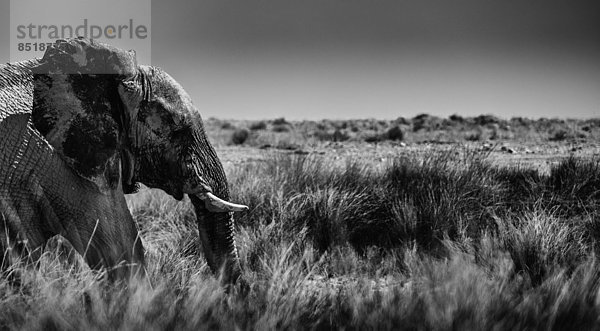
{"type": "Point", "coordinates": [155, 115]}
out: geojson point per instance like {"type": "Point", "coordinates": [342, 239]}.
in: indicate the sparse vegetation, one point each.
{"type": "Point", "coordinates": [423, 128]}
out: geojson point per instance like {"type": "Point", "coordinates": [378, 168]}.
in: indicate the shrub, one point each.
{"type": "Point", "coordinates": [341, 125]}
{"type": "Point", "coordinates": [402, 121]}
{"type": "Point", "coordinates": [322, 126]}
{"type": "Point", "coordinates": [336, 136]}
{"type": "Point", "coordinates": [374, 138]}
{"type": "Point", "coordinates": [474, 136]}
{"type": "Point", "coordinates": [592, 122]}
{"type": "Point", "coordinates": [486, 119]}
{"type": "Point", "coordinates": [322, 135]}
{"type": "Point", "coordinates": [261, 125]}
{"type": "Point", "coordinates": [281, 128]}
{"type": "Point", "coordinates": [240, 136]}
{"type": "Point", "coordinates": [495, 132]}
{"type": "Point", "coordinates": [522, 121]}
{"type": "Point", "coordinates": [559, 135]}
{"type": "Point", "coordinates": [280, 121]}
{"type": "Point", "coordinates": [426, 122]}
{"type": "Point", "coordinates": [227, 126]}
{"type": "Point", "coordinates": [421, 117]}
{"type": "Point", "coordinates": [339, 135]}
{"type": "Point", "coordinates": [456, 118]}
{"type": "Point", "coordinates": [395, 133]}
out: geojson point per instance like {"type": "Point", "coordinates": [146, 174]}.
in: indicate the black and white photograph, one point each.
{"type": "Point", "coordinates": [299, 165]}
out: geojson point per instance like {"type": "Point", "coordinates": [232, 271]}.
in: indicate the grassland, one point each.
{"type": "Point", "coordinates": [422, 229]}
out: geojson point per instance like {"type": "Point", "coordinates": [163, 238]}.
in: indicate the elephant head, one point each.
{"type": "Point", "coordinates": [100, 110]}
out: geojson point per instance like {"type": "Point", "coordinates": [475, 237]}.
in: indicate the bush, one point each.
{"type": "Point", "coordinates": [339, 135]}
{"type": "Point", "coordinates": [280, 121]}
{"type": "Point", "coordinates": [456, 118]}
{"type": "Point", "coordinates": [486, 119]}
{"type": "Point", "coordinates": [322, 135]}
{"type": "Point", "coordinates": [522, 121]}
{"type": "Point", "coordinates": [227, 126]}
{"type": "Point", "coordinates": [281, 128]}
{"type": "Point", "coordinates": [395, 133]}
{"type": "Point", "coordinates": [402, 121]}
{"type": "Point", "coordinates": [559, 135]}
{"type": "Point", "coordinates": [475, 135]}
{"type": "Point", "coordinates": [240, 136]}
{"type": "Point", "coordinates": [336, 136]}
{"type": "Point", "coordinates": [426, 122]}
{"type": "Point", "coordinates": [322, 126]}
{"type": "Point", "coordinates": [374, 138]}
{"type": "Point", "coordinates": [261, 125]}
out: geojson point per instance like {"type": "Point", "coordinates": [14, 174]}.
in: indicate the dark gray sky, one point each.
{"type": "Point", "coordinates": [380, 58]}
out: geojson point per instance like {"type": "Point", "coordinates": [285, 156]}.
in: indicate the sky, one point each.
{"type": "Point", "coordinates": [344, 59]}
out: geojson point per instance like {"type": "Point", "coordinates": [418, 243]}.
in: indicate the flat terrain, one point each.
{"type": "Point", "coordinates": [518, 141]}
{"type": "Point", "coordinates": [525, 155]}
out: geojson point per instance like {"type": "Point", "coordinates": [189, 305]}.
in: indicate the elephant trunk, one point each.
{"type": "Point", "coordinates": [217, 235]}
{"type": "Point", "coordinates": [206, 185]}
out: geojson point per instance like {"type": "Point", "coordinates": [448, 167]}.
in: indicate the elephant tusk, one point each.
{"type": "Point", "coordinates": [216, 205]}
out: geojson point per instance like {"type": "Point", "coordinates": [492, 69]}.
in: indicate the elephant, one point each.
{"type": "Point", "coordinates": [83, 126]}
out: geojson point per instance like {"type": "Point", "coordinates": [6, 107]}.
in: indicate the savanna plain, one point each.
{"type": "Point", "coordinates": [422, 223]}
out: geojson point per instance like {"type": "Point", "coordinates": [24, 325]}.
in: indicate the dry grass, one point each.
{"type": "Point", "coordinates": [438, 241]}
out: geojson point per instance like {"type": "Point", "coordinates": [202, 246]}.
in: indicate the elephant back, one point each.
{"type": "Point", "coordinates": [16, 88]}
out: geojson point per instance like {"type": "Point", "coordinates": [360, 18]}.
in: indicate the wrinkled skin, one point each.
{"type": "Point", "coordinates": [83, 126]}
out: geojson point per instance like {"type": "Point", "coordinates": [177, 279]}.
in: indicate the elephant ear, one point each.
{"type": "Point", "coordinates": [77, 108]}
